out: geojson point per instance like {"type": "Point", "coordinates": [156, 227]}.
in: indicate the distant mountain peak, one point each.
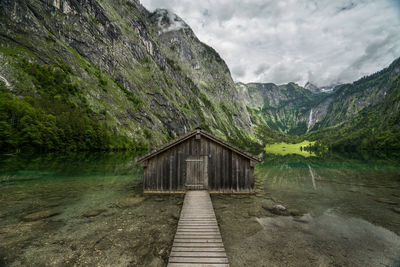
{"type": "Point", "coordinates": [322, 89]}
{"type": "Point", "coordinates": [312, 87]}
{"type": "Point", "coordinates": [168, 21]}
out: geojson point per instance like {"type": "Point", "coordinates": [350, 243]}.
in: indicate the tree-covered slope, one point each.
{"type": "Point", "coordinates": [349, 100]}
{"type": "Point", "coordinates": [102, 74]}
{"type": "Point", "coordinates": [287, 108]}
{"type": "Point", "coordinates": [361, 115]}
{"type": "Point", "coordinates": [365, 124]}
{"type": "Point", "coordinates": [108, 74]}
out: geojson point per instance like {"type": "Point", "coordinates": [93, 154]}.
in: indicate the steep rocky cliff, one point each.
{"type": "Point", "coordinates": [364, 114]}
{"type": "Point", "coordinates": [295, 110]}
{"type": "Point", "coordinates": [142, 75]}
{"type": "Point", "coordinates": [108, 74]}
{"type": "Point", "coordinates": [287, 108]}
{"type": "Point", "coordinates": [349, 100]}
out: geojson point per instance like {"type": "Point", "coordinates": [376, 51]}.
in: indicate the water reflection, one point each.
{"type": "Point", "coordinates": [341, 211]}
{"type": "Point", "coordinates": [365, 188]}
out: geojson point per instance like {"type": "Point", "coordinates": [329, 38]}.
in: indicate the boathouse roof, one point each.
{"type": "Point", "coordinates": [203, 133]}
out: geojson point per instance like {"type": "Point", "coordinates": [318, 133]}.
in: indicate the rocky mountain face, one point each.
{"type": "Point", "coordinates": [312, 87]}
{"type": "Point", "coordinates": [287, 108]}
{"type": "Point", "coordinates": [295, 110]}
{"type": "Point", "coordinates": [364, 114]}
{"type": "Point", "coordinates": [349, 100]}
{"type": "Point", "coordinates": [144, 76]}
{"type": "Point", "coordinates": [108, 74]}
{"type": "Point", "coordinates": [315, 89]}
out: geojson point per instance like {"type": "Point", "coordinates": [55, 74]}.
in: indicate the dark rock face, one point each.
{"type": "Point", "coordinates": [148, 72]}
{"type": "Point", "coordinates": [292, 109]}
{"type": "Point", "coordinates": [142, 72]}
{"type": "Point", "coordinates": [287, 108]}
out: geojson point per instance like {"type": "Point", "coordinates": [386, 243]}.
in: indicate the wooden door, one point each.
{"type": "Point", "coordinates": [196, 172]}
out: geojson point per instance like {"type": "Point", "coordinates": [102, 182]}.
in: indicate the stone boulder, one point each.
{"type": "Point", "coordinates": [129, 201]}
{"type": "Point", "coordinates": [40, 215]}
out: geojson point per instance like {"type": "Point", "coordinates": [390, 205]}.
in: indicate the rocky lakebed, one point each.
{"type": "Point", "coordinates": [313, 213]}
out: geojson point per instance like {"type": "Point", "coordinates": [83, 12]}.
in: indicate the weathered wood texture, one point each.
{"type": "Point", "coordinates": [197, 240]}
{"type": "Point", "coordinates": [225, 170]}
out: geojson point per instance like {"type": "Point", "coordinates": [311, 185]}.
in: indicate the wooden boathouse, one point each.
{"type": "Point", "coordinates": [198, 160]}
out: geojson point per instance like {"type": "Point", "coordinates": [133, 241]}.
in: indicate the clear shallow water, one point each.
{"type": "Point", "coordinates": [81, 208]}
{"type": "Point", "coordinates": [29, 183]}
{"type": "Point", "coordinates": [369, 189]}
{"type": "Point", "coordinates": [89, 209]}
{"type": "Point", "coordinates": [342, 211]}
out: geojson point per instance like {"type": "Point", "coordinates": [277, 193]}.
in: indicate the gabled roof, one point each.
{"type": "Point", "coordinates": [191, 134]}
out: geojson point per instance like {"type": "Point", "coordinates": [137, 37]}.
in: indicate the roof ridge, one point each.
{"type": "Point", "coordinates": [188, 135]}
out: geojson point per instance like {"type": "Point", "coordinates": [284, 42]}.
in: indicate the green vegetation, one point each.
{"type": "Point", "coordinates": [133, 82]}
{"type": "Point", "coordinates": [362, 116]}
{"type": "Point", "coordinates": [374, 128]}
{"type": "Point", "coordinates": [303, 148]}
{"type": "Point", "coordinates": [50, 120]}
{"type": "Point", "coordinates": [284, 107]}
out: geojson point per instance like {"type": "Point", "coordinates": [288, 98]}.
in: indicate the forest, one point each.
{"type": "Point", "coordinates": [53, 118]}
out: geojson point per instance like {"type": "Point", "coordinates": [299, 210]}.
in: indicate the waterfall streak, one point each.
{"type": "Point", "coordinates": [309, 121]}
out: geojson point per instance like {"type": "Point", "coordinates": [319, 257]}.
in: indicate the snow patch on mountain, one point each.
{"type": "Point", "coordinates": [322, 89]}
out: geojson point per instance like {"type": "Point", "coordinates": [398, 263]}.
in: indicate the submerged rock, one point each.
{"type": "Point", "coordinates": [279, 207]}
{"type": "Point", "coordinates": [267, 206]}
{"type": "Point", "coordinates": [276, 209]}
{"type": "Point", "coordinates": [306, 218]}
{"type": "Point", "coordinates": [396, 209]}
{"type": "Point", "coordinates": [279, 210]}
{"type": "Point", "coordinates": [386, 201]}
{"type": "Point", "coordinates": [129, 201]}
{"type": "Point", "coordinates": [93, 213]}
{"type": "Point", "coordinates": [40, 215]}
{"type": "Point", "coordinates": [296, 213]}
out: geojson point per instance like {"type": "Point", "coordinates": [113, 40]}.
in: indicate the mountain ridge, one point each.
{"type": "Point", "coordinates": [91, 74]}
{"type": "Point", "coordinates": [127, 79]}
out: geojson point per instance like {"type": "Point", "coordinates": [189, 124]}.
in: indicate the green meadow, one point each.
{"type": "Point", "coordinates": [285, 148]}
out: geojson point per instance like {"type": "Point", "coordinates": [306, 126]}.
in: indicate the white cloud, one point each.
{"type": "Point", "coordinates": [287, 40]}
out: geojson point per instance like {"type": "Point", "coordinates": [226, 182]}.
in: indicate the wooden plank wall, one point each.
{"type": "Point", "coordinates": [227, 170]}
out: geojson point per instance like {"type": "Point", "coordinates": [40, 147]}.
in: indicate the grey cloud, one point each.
{"type": "Point", "coordinates": [238, 71]}
{"type": "Point", "coordinates": [261, 68]}
{"type": "Point", "coordinates": [298, 40]}
{"type": "Point", "coordinates": [347, 7]}
{"type": "Point", "coordinates": [284, 73]}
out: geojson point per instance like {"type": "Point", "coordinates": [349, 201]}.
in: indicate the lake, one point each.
{"type": "Point", "coordinates": [82, 209]}
{"type": "Point", "coordinates": [89, 209]}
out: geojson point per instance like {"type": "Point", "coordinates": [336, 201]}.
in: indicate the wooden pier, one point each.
{"type": "Point", "coordinates": [197, 240]}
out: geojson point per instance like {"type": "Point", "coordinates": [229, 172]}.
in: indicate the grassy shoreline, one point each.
{"type": "Point", "coordinates": [287, 148]}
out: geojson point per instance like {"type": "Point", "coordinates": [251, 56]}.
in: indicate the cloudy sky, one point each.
{"type": "Point", "coordinates": [321, 41]}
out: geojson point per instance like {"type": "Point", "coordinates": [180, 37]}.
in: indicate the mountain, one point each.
{"type": "Point", "coordinates": [108, 74]}
{"type": "Point", "coordinates": [349, 100]}
{"type": "Point", "coordinates": [364, 114]}
{"type": "Point", "coordinates": [288, 108]}
{"type": "Point", "coordinates": [361, 114]}
{"type": "Point", "coordinates": [313, 88]}
{"type": "Point", "coordinates": [323, 89]}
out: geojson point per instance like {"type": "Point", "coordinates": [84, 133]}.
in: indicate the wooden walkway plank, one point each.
{"type": "Point", "coordinates": [198, 242]}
